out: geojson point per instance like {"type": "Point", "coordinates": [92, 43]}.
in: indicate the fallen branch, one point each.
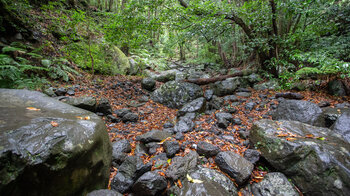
{"type": "Point", "coordinates": [203, 81]}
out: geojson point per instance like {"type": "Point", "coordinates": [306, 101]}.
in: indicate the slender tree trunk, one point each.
{"type": "Point", "coordinates": [182, 51]}
{"type": "Point", "coordinates": [110, 5]}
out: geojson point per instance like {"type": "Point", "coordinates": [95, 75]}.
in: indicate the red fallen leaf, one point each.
{"type": "Point", "coordinates": [291, 139]}
{"type": "Point", "coordinates": [33, 109]}
{"type": "Point", "coordinates": [309, 136]}
{"type": "Point", "coordinates": [179, 184]}
{"type": "Point", "coordinates": [161, 173]}
{"type": "Point", "coordinates": [54, 124]}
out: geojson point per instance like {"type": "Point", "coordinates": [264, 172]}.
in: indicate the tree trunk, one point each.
{"type": "Point", "coordinates": [182, 51]}
{"type": "Point", "coordinates": [110, 5]}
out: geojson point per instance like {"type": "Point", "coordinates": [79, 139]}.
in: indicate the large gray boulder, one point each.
{"type": "Point", "coordinates": [195, 106]}
{"type": "Point", "coordinates": [303, 111]}
{"type": "Point", "coordinates": [316, 166]}
{"type": "Point", "coordinates": [180, 166]}
{"type": "Point", "coordinates": [50, 149]}
{"type": "Point", "coordinates": [176, 94]}
{"type": "Point", "coordinates": [336, 87]}
{"type": "Point", "coordinates": [227, 87]}
{"type": "Point", "coordinates": [274, 183]}
{"type": "Point", "coordinates": [87, 103]}
{"type": "Point", "coordinates": [342, 126]}
{"type": "Point", "coordinates": [213, 183]}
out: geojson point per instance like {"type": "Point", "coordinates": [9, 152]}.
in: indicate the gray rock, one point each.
{"type": "Point", "coordinates": [223, 119]}
{"type": "Point", "coordinates": [168, 125]}
{"type": "Point", "coordinates": [207, 149]}
{"type": "Point", "coordinates": [290, 95]}
{"type": "Point", "coordinates": [195, 106]}
{"type": "Point", "coordinates": [215, 103]}
{"type": "Point", "coordinates": [342, 126]}
{"type": "Point", "coordinates": [120, 113]}
{"type": "Point", "coordinates": [176, 94]}
{"type": "Point", "coordinates": [250, 105]}
{"type": "Point", "coordinates": [71, 91]}
{"type": "Point", "coordinates": [71, 158]}
{"type": "Point", "coordinates": [104, 107]}
{"type": "Point", "coordinates": [271, 85]}
{"type": "Point", "coordinates": [252, 155]}
{"type": "Point", "coordinates": [180, 166]}
{"type": "Point", "coordinates": [274, 183]}
{"type": "Point", "coordinates": [184, 125]}
{"type": "Point", "coordinates": [87, 103]}
{"type": "Point", "coordinates": [104, 192]}
{"type": "Point", "coordinates": [302, 111]}
{"type": "Point", "coordinates": [329, 116]}
{"type": "Point", "coordinates": [148, 84]}
{"type": "Point", "coordinates": [61, 91]}
{"type": "Point", "coordinates": [153, 136]}
{"type": "Point", "coordinates": [254, 78]}
{"type": "Point", "coordinates": [213, 183]}
{"type": "Point", "coordinates": [49, 92]}
{"type": "Point", "coordinates": [150, 183]}
{"type": "Point", "coordinates": [226, 87]}
{"type": "Point", "coordinates": [336, 87]}
{"type": "Point", "coordinates": [179, 136]}
{"type": "Point", "coordinates": [243, 94]}
{"type": "Point", "coordinates": [125, 178]}
{"type": "Point", "coordinates": [235, 166]}
{"type": "Point", "coordinates": [208, 94]}
{"type": "Point", "coordinates": [232, 98]}
{"type": "Point", "coordinates": [120, 148]}
{"type": "Point", "coordinates": [130, 117]}
{"type": "Point", "coordinates": [171, 148]}
{"type": "Point", "coordinates": [316, 166]}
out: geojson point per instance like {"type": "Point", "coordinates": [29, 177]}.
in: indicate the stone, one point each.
{"type": "Point", "coordinates": [252, 155]}
{"type": "Point", "coordinates": [104, 192]}
{"type": "Point", "coordinates": [235, 166]}
{"type": "Point", "coordinates": [134, 67]}
{"type": "Point", "coordinates": [120, 150]}
{"type": "Point", "coordinates": [207, 149]}
{"type": "Point", "coordinates": [164, 76]}
{"type": "Point", "coordinates": [120, 63]}
{"type": "Point", "coordinates": [215, 103]}
{"type": "Point", "coordinates": [179, 136]}
{"type": "Point", "coordinates": [171, 148]}
{"type": "Point", "coordinates": [316, 166]}
{"type": "Point", "coordinates": [104, 107]}
{"type": "Point", "coordinates": [226, 87]}
{"type": "Point", "coordinates": [176, 94]}
{"type": "Point", "coordinates": [271, 85]}
{"type": "Point", "coordinates": [329, 116]}
{"type": "Point", "coordinates": [336, 87]}
{"type": "Point", "coordinates": [120, 113]}
{"type": "Point", "coordinates": [184, 125]}
{"type": "Point", "coordinates": [274, 183]}
{"type": "Point", "coordinates": [290, 95]}
{"type": "Point", "coordinates": [250, 105]}
{"type": "Point", "coordinates": [168, 125]}
{"type": "Point", "coordinates": [223, 119]}
{"type": "Point", "coordinates": [71, 91]}
{"type": "Point", "coordinates": [195, 106]}
{"type": "Point", "coordinates": [149, 184]}
{"type": "Point", "coordinates": [254, 78]}
{"type": "Point", "coordinates": [87, 103]}
{"type": "Point", "coordinates": [213, 183]}
{"type": "Point", "coordinates": [180, 166]}
{"type": "Point", "coordinates": [130, 117]}
{"type": "Point", "coordinates": [342, 126]}
{"type": "Point", "coordinates": [232, 98]}
{"type": "Point", "coordinates": [153, 136]}
{"type": "Point", "coordinates": [297, 110]}
{"type": "Point", "coordinates": [148, 84]}
{"type": "Point", "coordinates": [72, 158]}
{"type": "Point", "coordinates": [208, 94]}
{"type": "Point", "coordinates": [61, 91]}
{"type": "Point", "coordinates": [49, 92]}
{"type": "Point", "coordinates": [324, 104]}
{"type": "Point", "coordinates": [243, 94]}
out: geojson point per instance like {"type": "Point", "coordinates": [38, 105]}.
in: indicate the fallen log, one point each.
{"type": "Point", "coordinates": [203, 81]}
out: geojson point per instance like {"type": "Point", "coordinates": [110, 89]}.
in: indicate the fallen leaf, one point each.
{"type": "Point", "coordinates": [54, 124]}
{"type": "Point", "coordinates": [321, 138]}
{"type": "Point", "coordinates": [290, 138]}
{"type": "Point", "coordinates": [33, 109]}
{"type": "Point", "coordinates": [87, 118]}
{"type": "Point", "coordinates": [161, 142]}
{"type": "Point", "coordinates": [179, 184]}
{"type": "Point", "coordinates": [79, 117]}
{"type": "Point", "coordinates": [189, 178]}
{"type": "Point", "coordinates": [309, 136]}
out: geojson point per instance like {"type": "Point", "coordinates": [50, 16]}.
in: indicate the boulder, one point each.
{"type": "Point", "coordinates": [120, 150]}
{"type": "Point", "coordinates": [180, 166]}
{"type": "Point", "coordinates": [130, 117]}
{"type": "Point", "coordinates": [215, 103]}
{"type": "Point", "coordinates": [184, 125]}
{"type": "Point", "coordinates": [195, 106]}
{"type": "Point", "coordinates": [153, 136]}
{"type": "Point", "coordinates": [329, 116]}
{"type": "Point", "coordinates": [171, 148]}
{"type": "Point", "coordinates": [164, 76]}
{"type": "Point", "coordinates": [104, 107]}
{"type": "Point", "coordinates": [46, 149]}
{"type": "Point", "coordinates": [271, 85]}
{"type": "Point", "coordinates": [122, 112]}
{"type": "Point", "coordinates": [207, 149]}
{"type": "Point", "coordinates": [336, 87]}
{"type": "Point", "coordinates": [226, 87]}
{"type": "Point", "coordinates": [87, 103]}
{"type": "Point", "coordinates": [297, 110]}
{"type": "Point", "coordinates": [274, 183]}
{"type": "Point", "coordinates": [149, 184]}
{"type": "Point", "coordinates": [223, 119]}
{"type": "Point", "coordinates": [121, 62]}
{"type": "Point", "coordinates": [104, 192]}
{"type": "Point", "coordinates": [61, 91]}
{"type": "Point", "coordinates": [316, 166]}
{"type": "Point", "coordinates": [208, 94]}
{"type": "Point", "coordinates": [148, 84]}
{"type": "Point", "coordinates": [235, 166]}
{"type": "Point", "coordinates": [342, 126]}
{"type": "Point", "coordinates": [176, 94]}
{"type": "Point", "coordinates": [213, 183]}
{"type": "Point", "coordinates": [252, 155]}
